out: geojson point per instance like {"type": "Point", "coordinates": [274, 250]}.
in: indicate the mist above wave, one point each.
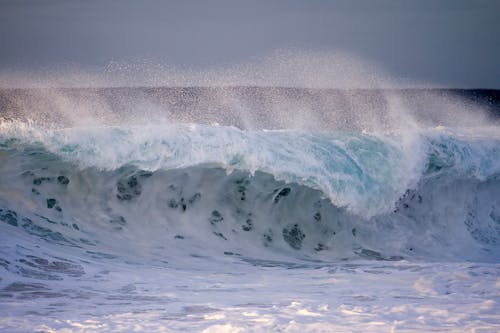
{"type": "Point", "coordinates": [301, 90]}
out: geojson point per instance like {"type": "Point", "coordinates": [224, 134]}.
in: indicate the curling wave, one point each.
{"type": "Point", "coordinates": [166, 190]}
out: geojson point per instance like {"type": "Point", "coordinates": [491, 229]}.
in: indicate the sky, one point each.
{"type": "Point", "coordinates": [449, 43]}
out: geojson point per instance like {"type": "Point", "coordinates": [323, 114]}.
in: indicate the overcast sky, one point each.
{"type": "Point", "coordinates": [444, 42]}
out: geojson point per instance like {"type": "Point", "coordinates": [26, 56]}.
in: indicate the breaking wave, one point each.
{"type": "Point", "coordinates": [151, 193]}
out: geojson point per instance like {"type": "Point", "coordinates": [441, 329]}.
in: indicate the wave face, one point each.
{"type": "Point", "coordinates": [157, 192]}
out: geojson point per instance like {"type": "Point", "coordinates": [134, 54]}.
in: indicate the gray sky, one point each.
{"type": "Point", "coordinates": [444, 42]}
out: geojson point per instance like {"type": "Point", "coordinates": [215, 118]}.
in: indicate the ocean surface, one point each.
{"type": "Point", "coordinates": [249, 209]}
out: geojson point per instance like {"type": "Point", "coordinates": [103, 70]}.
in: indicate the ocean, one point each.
{"type": "Point", "coordinates": [249, 209]}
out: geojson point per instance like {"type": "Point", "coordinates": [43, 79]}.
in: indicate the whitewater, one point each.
{"type": "Point", "coordinates": [248, 209]}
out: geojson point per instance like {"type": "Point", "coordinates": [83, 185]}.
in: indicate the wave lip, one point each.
{"type": "Point", "coordinates": [362, 172]}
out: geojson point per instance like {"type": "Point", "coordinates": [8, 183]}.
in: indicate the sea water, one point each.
{"type": "Point", "coordinates": [165, 225]}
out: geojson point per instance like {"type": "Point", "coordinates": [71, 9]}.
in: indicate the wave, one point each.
{"type": "Point", "coordinates": [158, 190]}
